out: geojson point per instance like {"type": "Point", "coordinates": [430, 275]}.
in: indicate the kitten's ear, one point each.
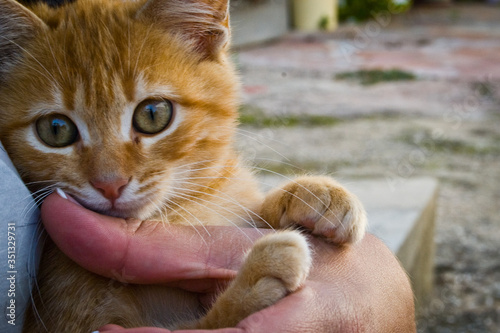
{"type": "Point", "coordinates": [17, 25]}
{"type": "Point", "coordinates": [203, 24]}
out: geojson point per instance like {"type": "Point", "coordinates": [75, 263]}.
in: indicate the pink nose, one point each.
{"type": "Point", "coordinates": [110, 189]}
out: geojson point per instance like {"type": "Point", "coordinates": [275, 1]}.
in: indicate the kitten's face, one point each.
{"type": "Point", "coordinates": [115, 107]}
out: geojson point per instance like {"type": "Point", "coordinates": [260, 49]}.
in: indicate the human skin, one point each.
{"type": "Point", "coordinates": [358, 288]}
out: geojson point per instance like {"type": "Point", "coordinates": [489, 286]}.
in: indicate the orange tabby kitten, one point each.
{"type": "Point", "coordinates": [130, 107]}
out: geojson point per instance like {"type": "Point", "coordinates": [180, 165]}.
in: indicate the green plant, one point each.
{"type": "Point", "coordinates": [323, 23]}
{"type": "Point", "coordinates": [368, 77]}
{"type": "Point", "coordinates": [253, 116]}
{"type": "Point", "coordinates": [362, 10]}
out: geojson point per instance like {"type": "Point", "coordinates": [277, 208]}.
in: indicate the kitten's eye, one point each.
{"type": "Point", "coordinates": [56, 130]}
{"type": "Point", "coordinates": [152, 116]}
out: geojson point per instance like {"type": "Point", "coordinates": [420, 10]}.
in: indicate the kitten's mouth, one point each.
{"type": "Point", "coordinates": [121, 209]}
{"type": "Point", "coordinates": [121, 213]}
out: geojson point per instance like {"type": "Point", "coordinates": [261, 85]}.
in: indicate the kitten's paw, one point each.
{"type": "Point", "coordinates": [284, 256]}
{"type": "Point", "coordinates": [277, 265]}
{"type": "Point", "coordinates": [320, 205]}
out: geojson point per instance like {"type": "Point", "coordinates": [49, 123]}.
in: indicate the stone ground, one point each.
{"type": "Point", "coordinates": [445, 124]}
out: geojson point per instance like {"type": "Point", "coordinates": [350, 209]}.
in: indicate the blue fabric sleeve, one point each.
{"type": "Point", "coordinates": [19, 245]}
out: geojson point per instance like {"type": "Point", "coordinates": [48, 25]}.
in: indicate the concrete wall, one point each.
{"type": "Point", "coordinates": [257, 23]}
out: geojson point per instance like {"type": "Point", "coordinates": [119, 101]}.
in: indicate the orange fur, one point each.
{"type": "Point", "coordinates": [95, 61]}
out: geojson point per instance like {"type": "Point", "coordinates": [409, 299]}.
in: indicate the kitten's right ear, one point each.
{"type": "Point", "coordinates": [202, 24]}
{"type": "Point", "coordinates": [17, 26]}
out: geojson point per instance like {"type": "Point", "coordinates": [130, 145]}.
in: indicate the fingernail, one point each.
{"type": "Point", "coordinates": [63, 195]}
{"type": "Point", "coordinates": [95, 332]}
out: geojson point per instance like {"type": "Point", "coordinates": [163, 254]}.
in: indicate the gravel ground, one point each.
{"type": "Point", "coordinates": [441, 126]}
{"type": "Point", "coordinates": [467, 286]}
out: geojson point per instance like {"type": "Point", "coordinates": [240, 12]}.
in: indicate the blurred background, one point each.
{"type": "Point", "coordinates": [398, 92]}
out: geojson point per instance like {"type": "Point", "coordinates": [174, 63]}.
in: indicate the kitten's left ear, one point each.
{"type": "Point", "coordinates": [202, 24]}
{"type": "Point", "coordinates": [17, 25]}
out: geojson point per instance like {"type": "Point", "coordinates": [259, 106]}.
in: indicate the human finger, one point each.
{"type": "Point", "coordinates": [146, 252]}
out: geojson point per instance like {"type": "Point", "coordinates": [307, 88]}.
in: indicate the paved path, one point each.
{"type": "Point", "coordinates": [444, 125]}
{"type": "Point", "coordinates": [448, 49]}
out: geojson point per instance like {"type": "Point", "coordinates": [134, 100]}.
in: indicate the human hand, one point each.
{"type": "Point", "coordinates": [359, 288]}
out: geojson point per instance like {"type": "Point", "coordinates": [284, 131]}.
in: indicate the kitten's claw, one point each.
{"type": "Point", "coordinates": [320, 205]}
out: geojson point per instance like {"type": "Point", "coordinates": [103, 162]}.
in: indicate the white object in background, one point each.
{"type": "Point", "coordinates": [314, 15]}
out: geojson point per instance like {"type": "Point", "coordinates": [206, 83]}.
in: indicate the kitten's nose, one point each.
{"type": "Point", "coordinates": [110, 189]}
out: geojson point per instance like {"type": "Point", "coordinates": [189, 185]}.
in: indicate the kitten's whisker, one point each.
{"type": "Point", "coordinates": [129, 47]}
{"type": "Point", "coordinates": [156, 173]}
{"type": "Point", "coordinates": [54, 56]}
{"type": "Point", "coordinates": [295, 182]}
{"type": "Point", "coordinates": [42, 74]}
{"type": "Point", "coordinates": [229, 199]}
{"type": "Point", "coordinates": [267, 146]}
{"type": "Point", "coordinates": [140, 49]}
{"type": "Point", "coordinates": [221, 167]}
{"type": "Point", "coordinates": [244, 133]}
{"type": "Point", "coordinates": [183, 166]}
{"type": "Point", "coordinates": [147, 68]}
{"type": "Point", "coordinates": [191, 214]}
{"type": "Point", "coordinates": [68, 76]}
{"type": "Point", "coordinates": [188, 197]}
{"type": "Point", "coordinates": [29, 208]}
{"type": "Point", "coordinates": [308, 190]}
{"type": "Point", "coordinates": [45, 188]}
{"type": "Point", "coordinates": [250, 133]}
{"type": "Point", "coordinates": [51, 184]}
{"type": "Point", "coordinates": [209, 177]}
{"type": "Point", "coordinates": [249, 222]}
{"type": "Point", "coordinates": [39, 181]}
{"type": "Point", "coordinates": [35, 204]}
{"type": "Point", "coordinates": [29, 212]}
{"type": "Point", "coordinates": [163, 217]}
{"type": "Point", "coordinates": [314, 209]}
{"type": "Point", "coordinates": [36, 199]}
{"type": "Point", "coordinates": [278, 161]}
{"type": "Point", "coordinates": [39, 233]}
{"type": "Point", "coordinates": [249, 212]}
{"type": "Point", "coordinates": [189, 222]}
{"type": "Point", "coordinates": [287, 178]}
{"type": "Point", "coordinates": [37, 236]}
{"type": "Point", "coordinates": [236, 164]}
{"type": "Point", "coordinates": [54, 81]}
{"type": "Point", "coordinates": [110, 37]}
